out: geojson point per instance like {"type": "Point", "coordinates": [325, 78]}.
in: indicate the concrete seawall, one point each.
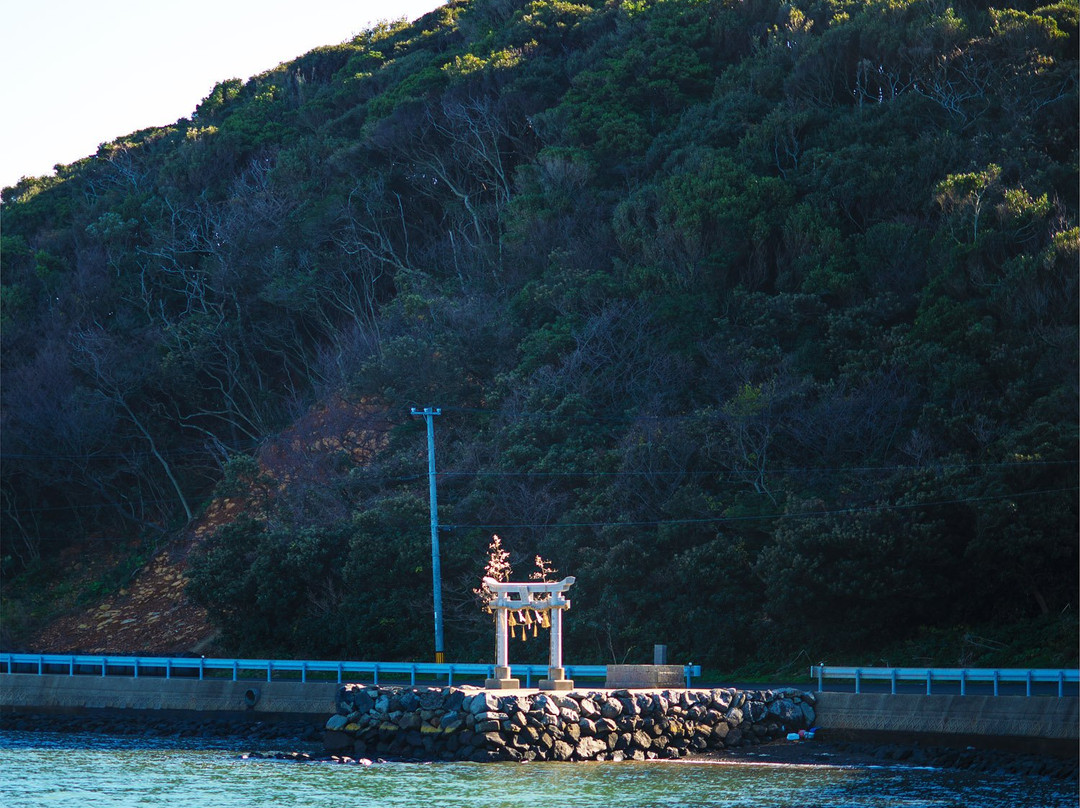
{"type": "Point", "coordinates": [52, 693]}
{"type": "Point", "coordinates": [1044, 724]}
{"type": "Point", "coordinates": [1037, 724]}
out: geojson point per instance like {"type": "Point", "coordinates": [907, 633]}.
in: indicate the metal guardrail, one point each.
{"type": "Point", "coordinates": [167, 666]}
{"type": "Point", "coordinates": [998, 676]}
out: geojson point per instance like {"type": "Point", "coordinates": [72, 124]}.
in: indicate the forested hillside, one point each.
{"type": "Point", "coordinates": [758, 318]}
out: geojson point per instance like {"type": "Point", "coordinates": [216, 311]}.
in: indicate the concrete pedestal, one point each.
{"type": "Point", "coordinates": [556, 680]}
{"type": "Point", "coordinates": [502, 680]}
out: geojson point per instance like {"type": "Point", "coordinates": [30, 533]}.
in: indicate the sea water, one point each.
{"type": "Point", "coordinates": [52, 769]}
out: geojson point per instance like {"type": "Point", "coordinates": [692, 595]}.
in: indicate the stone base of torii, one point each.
{"type": "Point", "coordinates": [534, 596]}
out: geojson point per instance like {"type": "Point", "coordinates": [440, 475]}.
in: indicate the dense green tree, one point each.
{"type": "Point", "coordinates": [757, 317]}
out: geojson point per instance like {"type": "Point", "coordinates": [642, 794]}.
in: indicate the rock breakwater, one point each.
{"type": "Point", "coordinates": [466, 723]}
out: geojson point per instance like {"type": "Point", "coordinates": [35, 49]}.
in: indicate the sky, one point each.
{"type": "Point", "coordinates": [78, 73]}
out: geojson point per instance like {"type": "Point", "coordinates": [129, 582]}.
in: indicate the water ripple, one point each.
{"type": "Point", "coordinates": [44, 769]}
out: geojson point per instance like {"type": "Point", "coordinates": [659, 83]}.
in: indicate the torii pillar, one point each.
{"type": "Point", "coordinates": [533, 596]}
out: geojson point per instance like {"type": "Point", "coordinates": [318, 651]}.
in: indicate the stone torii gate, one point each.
{"type": "Point", "coordinates": [535, 596]}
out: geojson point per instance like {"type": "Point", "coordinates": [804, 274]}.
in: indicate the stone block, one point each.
{"type": "Point", "coordinates": [630, 677]}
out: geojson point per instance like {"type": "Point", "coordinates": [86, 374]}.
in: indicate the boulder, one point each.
{"type": "Point", "coordinates": [544, 703]}
{"type": "Point", "coordinates": [565, 702]}
{"type": "Point", "coordinates": [513, 704]}
{"type": "Point", "coordinates": [588, 708]}
{"type": "Point", "coordinates": [720, 699]}
{"type": "Point", "coordinates": [785, 711]}
{"type": "Point", "coordinates": [589, 748]}
{"type": "Point", "coordinates": [611, 708]}
{"type": "Point", "coordinates": [515, 722]}
{"type": "Point", "coordinates": [453, 698]}
{"type": "Point", "coordinates": [361, 701]}
{"type": "Point", "coordinates": [484, 703]}
{"type": "Point", "coordinates": [431, 699]}
{"type": "Point", "coordinates": [757, 711]}
{"type": "Point", "coordinates": [561, 750]}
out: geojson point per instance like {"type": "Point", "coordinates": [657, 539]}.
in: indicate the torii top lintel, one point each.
{"type": "Point", "coordinates": [536, 595]}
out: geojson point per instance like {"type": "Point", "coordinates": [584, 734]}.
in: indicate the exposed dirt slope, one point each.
{"type": "Point", "coordinates": [152, 615]}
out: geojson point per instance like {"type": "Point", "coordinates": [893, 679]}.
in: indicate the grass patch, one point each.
{"type": "Point", "coordinates": [52, 587]}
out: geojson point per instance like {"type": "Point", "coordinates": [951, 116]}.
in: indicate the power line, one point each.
{"type": "Point", "coordinates": [719, 474]}
{"type": "Point", "coordinates": [773, 516]}
{"type": "Point", "coordinates": [781, 470]}
{"type": "Point", "coordinates": [658, 522]}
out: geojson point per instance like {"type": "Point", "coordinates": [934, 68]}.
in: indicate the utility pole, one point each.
{"type": "Point", "coordinates": [436, 572]}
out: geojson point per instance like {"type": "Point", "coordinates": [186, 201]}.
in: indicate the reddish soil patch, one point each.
{"type": "Point", "coordinates": [152, 615]}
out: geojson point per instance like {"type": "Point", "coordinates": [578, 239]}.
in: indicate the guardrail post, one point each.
{"type": "Point", "coordinates": [1061, 683]}
{"type": "Point", "coordinates": [375, 674]}
{"type": "Point", "coordinates": [40, 665]}
{"type": "Point", "coordinates": [340, 671]}
{"type": "Point", "coordinates": [235, 670]}
{"type": "Point", "coordinates": [104, 664]}
{"type": "Point", "coordinates": [412, 674]}
{"type": "Point", "coordinates": [168, 668]}
{"type": "Point", "coordinates": [1029, 683]}
{"type": "Point", "coordinates": [303, 672]}
{"type": "Point", "coordinates": [821, 678]}
{"type": "Point", "coordinates": [858, 678]}
{"type": "Point", "coordinates": [893, 677]}
{"type": "Point", "coordinates": [450, 676]}
{"type": "Point", "coordinates": [135, 668]}
{"type": "Point", "coordinates": [929, 676]}
{"type": "Point", "coordinates": [995, 683]}
{"type": "Point", "coordinates": [71, 667]}
{"type": "Point", "coordinates": [269, 669]}
{"type": "Point", "coordinates": [963, 682]}
{"type": "Point", "coordinates": [202, 666]}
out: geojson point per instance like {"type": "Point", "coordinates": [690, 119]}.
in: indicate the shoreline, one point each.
{"type": "Point", "coordinates": [863, 754]}
{"type": "Point", "coordinates": [255, 738]}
